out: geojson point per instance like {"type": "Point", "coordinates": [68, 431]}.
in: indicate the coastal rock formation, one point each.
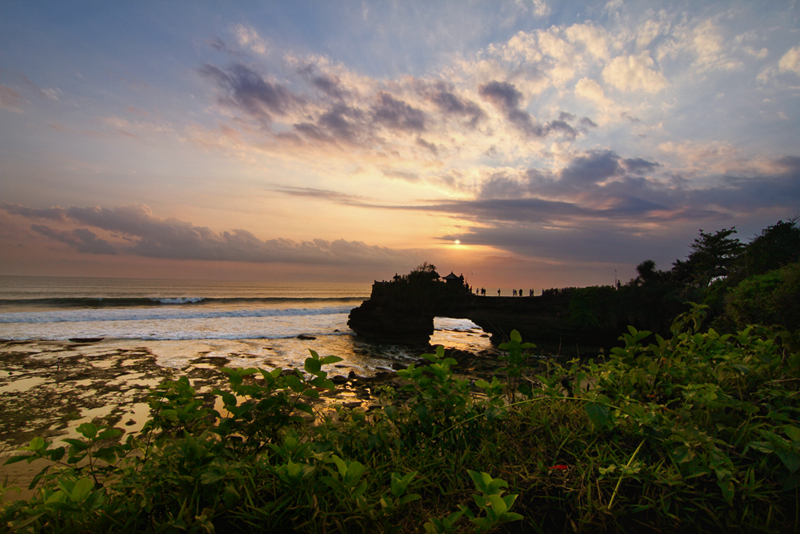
{"type": "Point", "coordinates": [386, 322]}
{"type": "Point", "coordinates": [402, 311]}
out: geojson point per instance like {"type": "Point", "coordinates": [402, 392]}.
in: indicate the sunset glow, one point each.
{"type": "Point", "coordinates": [526, 143]}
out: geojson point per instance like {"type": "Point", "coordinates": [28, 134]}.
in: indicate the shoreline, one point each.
{"type": "Point", "coordinates": [49, 388]}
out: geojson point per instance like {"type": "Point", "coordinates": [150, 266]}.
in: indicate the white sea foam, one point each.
{"type": "Point", "coordinates": [147, 314]}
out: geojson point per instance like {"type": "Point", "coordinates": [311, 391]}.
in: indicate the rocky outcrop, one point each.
{"type": "Point", "coordinates": [400, 317]}
{"type": "Point", "coordinates": [385, 322]}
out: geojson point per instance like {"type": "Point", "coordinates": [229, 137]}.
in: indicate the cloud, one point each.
{"type": "Point", "coordinates": [506, 98]}
{"type": "Point", "coordinates": [704, 40]}
{"type": "Point", "coordinates": [249, 92]}
{"type": "Point", "coordinates": [248, 38]}
{"type": "Point", "coordinates": [603, 207]}
{"type": "Point", "coordinates": [401, 175]}
{"type": "Point", "coordinates": [221, 46]}
{"type": "Point", "coordinates": [594, 39]}
{"type": "Point", "coordinates": [592, 168]}
{"type": "Point", "coordinates": [502, 94]}
{"type": "Point", "coordinates": [10, 100]}
{"type": "Point", "coordinates": [790, 61]}
{"type": "Point", "coordinates": [80, 239]}
{"type": "Point", "coordinates": [634, 73]}
{"type": "Point", "coordinates": [396, 114]}
{"type": "Point", "coordinates": [600, 190]}
{"type": "Point", "coordinates": [143, 234]}
{"type": "Point", "coordinates": [448, 102]}
{"type": "Point", "coordinates": [325, 194]}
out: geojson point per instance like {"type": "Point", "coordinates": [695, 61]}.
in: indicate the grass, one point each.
{"type": "Point", "coordinates": [698, 433]}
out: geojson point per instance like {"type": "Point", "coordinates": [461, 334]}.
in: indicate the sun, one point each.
{"type": "Point", "coordinates": [457, 241]}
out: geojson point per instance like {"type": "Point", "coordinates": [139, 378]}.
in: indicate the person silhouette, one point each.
{"type": "Point", "coordinates": [498, 292]}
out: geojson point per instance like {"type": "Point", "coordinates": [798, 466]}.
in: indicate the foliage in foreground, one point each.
{"type": "Point", "coordinates": [696, 433]}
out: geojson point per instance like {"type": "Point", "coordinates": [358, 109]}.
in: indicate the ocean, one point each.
{"type": "Point", "coordinates": [249, 323]}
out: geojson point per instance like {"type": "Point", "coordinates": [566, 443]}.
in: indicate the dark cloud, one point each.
{"type": "Point", "coordinates": [630, 118]}
{"type": "Point", "coordinates": [81, 239]}
{"type": "Point", "coordinates": [493, 211]}
{"type": "Point", "coordinates": [639, 166]}
{"type": "Point", "coordinates": [340, 124]}
{"type": "Point", "coordinates": [449, 103]}
{"type": "Point", "coordinates": [600, 208]}
{"type": "Point", "coordinates": [53, 214]}
{"type": "Point", "coordinates": [563, 128]}
{"type": "Point", "coordinates": [429, 146]}
{"type": "Point", "coordinates": [593, 167]}
{"type": "Point", "coordinates": [150, 236]}
{"type": "Point", "coordinates": [344, 122]}
{"type": "Point", "coordinates": [248, 91]}
{"type": "Point", "coordinates": [503, 95]}
{"type": "Point", "coordinates": [396, 114]}
{"type": "Point", "coordinates": [597, 243]}
{"type": "Point", "coordinates": [507, 98]}
{"type": "Point", "coordinates": [328, 84]}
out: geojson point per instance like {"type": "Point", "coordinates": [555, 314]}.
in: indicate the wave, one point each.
{"type": "Point", "coordinates": [130, 302]}
{"type": "Point", "coordinates": [164, 313]}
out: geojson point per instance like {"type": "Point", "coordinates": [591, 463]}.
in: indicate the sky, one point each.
{"type": "Point", "coordinates": [527, 143]}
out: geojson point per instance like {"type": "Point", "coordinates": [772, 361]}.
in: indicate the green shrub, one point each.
{"type": "Point", "coordinates": [772, 298]}
{"type": "Point", "coordinates": [696, 433]}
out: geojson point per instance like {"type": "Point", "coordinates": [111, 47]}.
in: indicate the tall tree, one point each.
{"type": "Point", "coordinates": [776, 246]}
{"type": "Point", "coordinates": [711, 259]}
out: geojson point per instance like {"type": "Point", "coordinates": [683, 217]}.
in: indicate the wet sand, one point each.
{"type": "Point", "coordinates": [49, 388]}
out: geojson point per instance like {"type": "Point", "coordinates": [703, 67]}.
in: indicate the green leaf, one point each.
{"type": "Point", "coordinates": [310, 392]}
{"type": "Point", "coordinates": [790, 459]}
{"type": "Point", "coordinates": [354, 472]}
{"type": "Point", "coordinates": [88, 430]}
{"type": "Point", "coordinates": [330, 359]}
{"type": "Point", "coordinates": [77, 444]}
{"type": "Point", "coordinates": [230, 496]}
{"type": "Point", "coordinates": [498, 504]}
{"type": "Point", "coordinates": [228, 399]}
{"type": "Point", "coordinates": [56, 497]}
{"type": "Point", "coordinates": [792, 431]}
{"type": "Point", "coordinates": [410, 498]}
{"type": "Point", "coordinates": [15, 459]}
{"type": "Point", "coordinates": [37, 443]}
{"type": "Point", "coordinates": [312, 366]}
{"type": "Point", "coordinates": [110, 433]}
{"type": "Point", "coordinates": [515, 336]}
{"type": "Point", "coordinates": [340, 465]}
{"type": "Point", "coordinates": [211, 476]}
{"type": "Point", "coordinates": [761, 446]}
{"type": "Point", "coordinates": [399, 484]}
{"type": "Point", "coordinates": [81, 490]}
{"type": "Point", "coordinates": [599, 415]}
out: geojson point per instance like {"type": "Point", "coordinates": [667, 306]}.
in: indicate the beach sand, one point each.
{"type": "Point", "coordinates": [49, 388]}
